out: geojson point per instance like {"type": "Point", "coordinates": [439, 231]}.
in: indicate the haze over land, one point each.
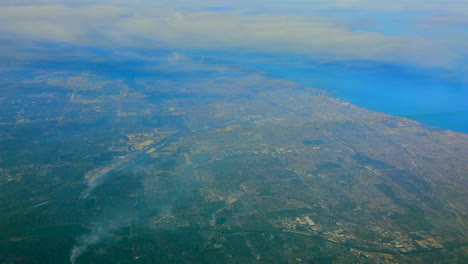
{"type": "Point", "coordinates": [211, 132]}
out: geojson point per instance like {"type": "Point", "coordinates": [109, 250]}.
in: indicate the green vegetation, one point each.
{"type": "Point", "coordinates": [367, 161]}
{"type": "Point", "coordinates": [390, 194]}
{"type": "Point", "coordinates": [288, 213]}
{"type": "Point", "coordinates": [190, 176]}
{"type": "Point", "coordinates": [328, 166]}
{"type": "Point", "coordinates": [413, 221]}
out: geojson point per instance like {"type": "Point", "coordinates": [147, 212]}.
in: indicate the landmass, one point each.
{"type": "Point", "coordinates": [221, 167]}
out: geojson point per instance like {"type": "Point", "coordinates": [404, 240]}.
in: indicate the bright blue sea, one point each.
{"type": "Point", "coordinates": [436, 97]}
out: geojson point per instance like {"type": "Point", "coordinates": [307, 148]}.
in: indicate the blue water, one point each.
{"type": "Point", "coordinates": [436, 97]}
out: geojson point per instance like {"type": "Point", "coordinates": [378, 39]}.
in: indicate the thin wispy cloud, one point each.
{"type": "Point", "coordinates": [261, 26]}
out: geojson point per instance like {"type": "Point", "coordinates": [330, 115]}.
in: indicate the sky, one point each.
{"type": "Point", "coordinates": [425, 33]}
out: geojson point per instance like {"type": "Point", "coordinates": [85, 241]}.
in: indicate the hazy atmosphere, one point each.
{"type": "Point", "coordinates": [233, 131]}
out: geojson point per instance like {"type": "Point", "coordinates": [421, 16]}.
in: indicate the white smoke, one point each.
{"type": "Point", "coordinates": [95, 178]}
{"type": "Point", "coordinates": [85, 241]}
{"type": "Point", "coordinates": [101, 232]}
{"type": "Point", "coordinates": [89, 189]}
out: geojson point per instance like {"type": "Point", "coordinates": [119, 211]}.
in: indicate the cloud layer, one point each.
{"type": "Point", "coordinates": [419, 33]}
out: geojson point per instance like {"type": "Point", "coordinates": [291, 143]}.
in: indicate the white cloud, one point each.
{"type": "Point", "coordinates": [184, 24]}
